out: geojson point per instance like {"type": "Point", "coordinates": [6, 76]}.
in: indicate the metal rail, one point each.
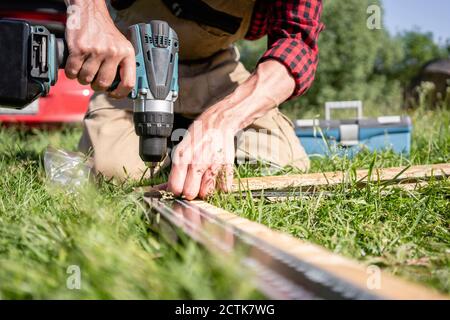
{"type": "Point", "coordinates": [278, 274]}
{"type": "Point", "coordinates": [298, 194]}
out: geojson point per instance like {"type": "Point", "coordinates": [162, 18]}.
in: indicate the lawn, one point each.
{"type": "Point", "coordinates": [45, 232]}
{"type": "Point", "coordinates": [101, 229]}
{"type": "Point", "coordinates": [405, 232]}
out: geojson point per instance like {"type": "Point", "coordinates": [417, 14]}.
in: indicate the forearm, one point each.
{"type": "Point", "coordinates": [269, 86]}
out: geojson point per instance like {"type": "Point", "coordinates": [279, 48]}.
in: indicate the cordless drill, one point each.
{"type": "Point", "coordinates": [30, 57]}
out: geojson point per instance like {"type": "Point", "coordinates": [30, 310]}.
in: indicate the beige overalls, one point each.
{"type": "Point", "coordinates": [209, 70]}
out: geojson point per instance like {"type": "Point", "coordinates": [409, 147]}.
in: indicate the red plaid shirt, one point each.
{"type": "Point", "coordinates": [293, 27]}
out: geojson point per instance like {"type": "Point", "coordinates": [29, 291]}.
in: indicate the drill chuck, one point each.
{"type": "Point", "coordinates": [153, 129]}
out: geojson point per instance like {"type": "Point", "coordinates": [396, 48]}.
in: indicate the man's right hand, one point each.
{"type": "Point", "coordinates": [97, 49]}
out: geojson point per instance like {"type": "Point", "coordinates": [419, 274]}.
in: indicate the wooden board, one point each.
{"type": "Point", "coordinates": [387, 175]}
{"type": "Point", "coordinates": [354, 272]}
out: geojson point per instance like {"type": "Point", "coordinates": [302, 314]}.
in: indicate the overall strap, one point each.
{"type": "Point", "coordinates": [200, 12]}
{"type": "Point", "coordinates": [122, 4]}
{"type": "Point", "coordinates": [193, 10]}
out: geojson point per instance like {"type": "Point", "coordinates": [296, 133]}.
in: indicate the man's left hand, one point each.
{"type": "Point", "coordinates": [203, 161]}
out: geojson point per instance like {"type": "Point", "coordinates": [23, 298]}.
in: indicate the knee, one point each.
{"type": "Point", "coordinates": [113, 167]}
{"type": "Point", "coordinates": [302, 163]}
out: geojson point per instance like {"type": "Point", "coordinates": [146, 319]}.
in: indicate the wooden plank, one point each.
{"type": "Point", "coordinates": [391, 175]}
{"type": "Point", "coordinates": [354, 272]}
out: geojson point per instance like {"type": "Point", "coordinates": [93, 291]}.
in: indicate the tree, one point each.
{"type": "Point", "coordinates": [349, 54]}
{"type": "Point", "coordinates": [418, 49]}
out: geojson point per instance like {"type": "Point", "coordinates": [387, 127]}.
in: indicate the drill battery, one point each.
{"type": "Point", "coordinates": [349, 136]}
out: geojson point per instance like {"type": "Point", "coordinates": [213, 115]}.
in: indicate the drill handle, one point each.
{"type": "Point", "coordinates": [62, 53]}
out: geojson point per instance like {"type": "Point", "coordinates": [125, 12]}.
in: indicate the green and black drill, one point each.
{"type": "Point", "coordinates": [30, 57]}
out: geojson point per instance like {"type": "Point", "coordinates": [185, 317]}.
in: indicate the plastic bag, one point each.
{"type": "Point", "coordinates": [67, 169]}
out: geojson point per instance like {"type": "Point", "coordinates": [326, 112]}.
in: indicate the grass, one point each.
{"type": "Point", "coordinates": [102, 229]}
{"type": "Point", "coordinates": [99, 229]}
{"type": "Point", "coordinates": [407, 233]}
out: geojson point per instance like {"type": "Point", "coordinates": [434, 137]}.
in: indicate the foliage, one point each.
{"type": "Point", "coordinates": [418, 49]}
{"type": "Point", "coordinates": [348, 52]}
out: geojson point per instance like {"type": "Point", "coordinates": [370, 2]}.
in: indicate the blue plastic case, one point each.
{"type": "Point", "coordinates": [327, 137]}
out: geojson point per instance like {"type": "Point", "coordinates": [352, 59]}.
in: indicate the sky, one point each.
{"type": "Point", "coordinates": [427, 15]}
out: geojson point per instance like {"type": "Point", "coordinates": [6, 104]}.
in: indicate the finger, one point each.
{"type": "Point", "coordinates": [193, 181]}
{"type": "Point", "coordinates": [177, 176]}
{"type": "Point", "coordinates": [127, 76]}
{"type": "Point", "coordinates": [208, 184]}
{"type": "Point", "coordinates": [225, 178]}
{"type": "Point", "coordinates": [89, 69]}
{"type": "Point", "coordinates": [105, 76]}
{"type": "Point", "coordinates": [73, 66]}
{"type": "Point", "coordinates": [176, 180]}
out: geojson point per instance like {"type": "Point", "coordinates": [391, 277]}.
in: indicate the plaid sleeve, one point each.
{"type": "Point", "coordinates": [293, 27]}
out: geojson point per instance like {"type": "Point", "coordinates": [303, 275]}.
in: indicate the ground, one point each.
{"type": "Point", "coordinates": [101, 228]}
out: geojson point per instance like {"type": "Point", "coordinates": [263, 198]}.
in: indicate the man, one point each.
{"type": "Point", "coordinates": [219, 99]}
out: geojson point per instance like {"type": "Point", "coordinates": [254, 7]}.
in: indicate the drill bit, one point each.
{"type": "Point", "coordinates": [152, 166]}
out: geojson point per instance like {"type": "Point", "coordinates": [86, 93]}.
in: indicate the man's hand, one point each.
{"type": "Point", "coordinates": [204, 159]}
{"type": "Point", "coordinates": [97, 49]}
